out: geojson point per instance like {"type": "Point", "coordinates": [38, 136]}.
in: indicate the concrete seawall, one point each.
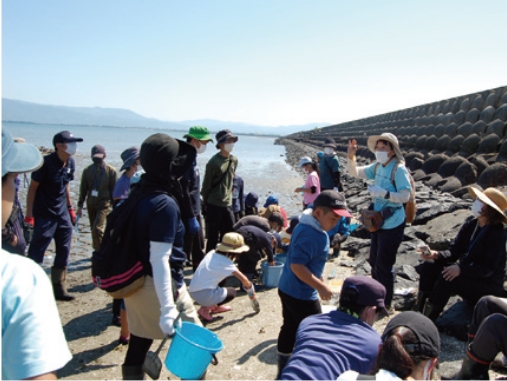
{"type": "Point", "coordinates": [448, 144]}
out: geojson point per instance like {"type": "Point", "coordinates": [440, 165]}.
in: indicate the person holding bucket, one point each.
{"type": "Point", "coordinates": [154, 308]}
{"type": "Point", "coordinates": [215, 267]}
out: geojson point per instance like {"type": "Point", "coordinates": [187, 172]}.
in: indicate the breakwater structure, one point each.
{"type": "Point", "coordinates": [448, 145]}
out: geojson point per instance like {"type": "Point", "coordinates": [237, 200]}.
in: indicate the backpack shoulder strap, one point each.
{"type": "Point", "coordinates": [375, 170]}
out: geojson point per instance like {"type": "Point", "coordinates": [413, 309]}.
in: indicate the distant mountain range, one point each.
{"type": "Point", "coordinates": [27, 112]}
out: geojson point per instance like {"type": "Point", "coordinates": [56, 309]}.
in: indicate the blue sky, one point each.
{"type": "Point", "coordinates": [271, 62]}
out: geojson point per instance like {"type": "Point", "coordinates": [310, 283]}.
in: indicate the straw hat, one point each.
{"type": "Point", "coordinates": [492, 197]}
{"type": "Point", "coordinates": [387, 136]}
{"type": "Point", "coordinates": [232, 243]}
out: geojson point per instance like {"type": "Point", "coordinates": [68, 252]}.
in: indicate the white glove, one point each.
{"type": "Point", "coordinates": [168, 315]}
{"type": "Point", "coordinates": [335, 189]}
{"type": "Point", "coordinates": [376, 191]}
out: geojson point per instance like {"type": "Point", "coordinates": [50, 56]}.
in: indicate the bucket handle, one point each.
{"type": "Point", "coordinates": [214, 361]}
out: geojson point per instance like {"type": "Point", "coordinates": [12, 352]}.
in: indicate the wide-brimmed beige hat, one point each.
{"type": "Point", "coordinates": [492, 197]}
{"type": "Point", "coordinates": [232, 243]}
{"type": "Point", "coordinates": [387, 136]}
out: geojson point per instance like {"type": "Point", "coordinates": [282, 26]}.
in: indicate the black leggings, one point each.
{"type": "Point", "coordinates": [138, 348]}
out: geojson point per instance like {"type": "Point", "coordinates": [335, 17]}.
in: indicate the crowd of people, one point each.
{"type": "Point", "coordinates": [219, 231]}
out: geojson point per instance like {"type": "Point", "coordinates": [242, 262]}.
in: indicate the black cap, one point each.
{"type": "Point", "coordinates": [98, 151]}
{"type": "Point", "coordinates": [334, 200]}
{"type": "Point", "coordinates": [163, 156]}
{"type": "Point", "coordinates": [65, 137]}
{"type": "Point", "coordinates": [223, 135]}
{"type": "Point", "coordinates": [370, 292]}
{"type": "Point", "coordinates": [424, 329]}
{"type": "Point", "coordinates": [252, 200]}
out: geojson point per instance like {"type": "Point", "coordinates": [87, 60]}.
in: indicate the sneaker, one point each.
{"type": "Point", "coordinates": [204, 313]}
{"type": "Point", "coordinates": [218, 309]}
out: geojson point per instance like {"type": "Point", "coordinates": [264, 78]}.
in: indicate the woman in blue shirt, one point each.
{"type": "Point", "coordinates": [389, 197]}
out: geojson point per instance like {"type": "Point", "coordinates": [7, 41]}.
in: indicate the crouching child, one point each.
{"type": "Point", "coordinates": [217, 265]}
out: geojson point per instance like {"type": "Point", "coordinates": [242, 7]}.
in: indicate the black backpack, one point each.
{"type": "Point", "coordinates": [116, 266]}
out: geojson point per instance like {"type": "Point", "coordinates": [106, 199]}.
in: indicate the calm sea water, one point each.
{"type": "Point", "coordinates": [261, 163]}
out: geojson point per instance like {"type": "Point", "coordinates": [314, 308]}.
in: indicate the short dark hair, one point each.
{"type": "Point", "coordinates": [385, 142]}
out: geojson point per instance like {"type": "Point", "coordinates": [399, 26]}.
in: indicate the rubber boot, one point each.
{"type": "Point", "coordinates": [432, 311]}
{"type": "Point", "coordinates": [471, 370]}
{"type": "Point", "coordinates": [283, 359]}
{"type": "Point", "coordinates": [420, 301]}
{"type": "Point", "coordinates": [132, 372]}
{"type": "Point", "coordinates": [58, 275]}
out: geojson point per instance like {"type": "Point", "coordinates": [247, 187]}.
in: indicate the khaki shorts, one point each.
{"type": "Point", "coordinates": [143, 310]}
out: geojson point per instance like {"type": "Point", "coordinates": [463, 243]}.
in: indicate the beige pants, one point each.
{"type": "Point", "coordinates": [143, 310]}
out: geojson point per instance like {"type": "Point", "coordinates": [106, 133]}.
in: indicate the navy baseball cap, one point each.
{"type": "Point", "coordinates": [65, 137]}
{"type": "Point", "coordinates": [333, 200]}
{"type": "Point", "coordinates": [370, 291]}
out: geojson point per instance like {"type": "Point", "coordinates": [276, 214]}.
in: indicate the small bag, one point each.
{"type": "Point", "coordinates": [371, 219]}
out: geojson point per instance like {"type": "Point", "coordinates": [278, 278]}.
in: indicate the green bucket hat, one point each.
{"type": "Point", "coordinates": [199, 133]}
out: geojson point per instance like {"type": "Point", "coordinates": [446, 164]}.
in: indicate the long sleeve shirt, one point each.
{"type": "Point", "coordinates": [97, 185]}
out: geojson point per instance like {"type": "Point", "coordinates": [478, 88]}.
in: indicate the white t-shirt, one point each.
{"type": "Point", "coordinates": [211, 271]}
{"type": "Point", "coordinates": [33, 342]}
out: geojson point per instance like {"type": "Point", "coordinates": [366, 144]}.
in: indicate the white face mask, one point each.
{"type": "Point", "coordinates": [229, 147]}
{"type": "Point", "coordinates": [71, 148]}
{"type": "Point", "coordinates": [328, 150]}
{"type": "Point", "coordinates": [382, 157]}
{"type": "Point", "coordinates": [477, 207]}
{"type": "Point", "coordinates": [202, 148]}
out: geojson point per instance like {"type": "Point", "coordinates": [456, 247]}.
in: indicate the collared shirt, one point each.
{"type": "Point", "coordinates": [51, 195]}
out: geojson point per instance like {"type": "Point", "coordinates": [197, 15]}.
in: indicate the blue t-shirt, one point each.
{"type": "Point", "coordinates": [329, 344]}
{"type": "Point", "coordinates": [51, 195]}
{"type": "Point", "coordinates": [33, 341]}
{"type": "Point", "coordinates": [309, 246]}
{"type": "Point", "coordinates": [158, 220]}
{"type": "Point", "coordinates": [383, 180]}
{"type": "Point", "coordinates": [121, 188]}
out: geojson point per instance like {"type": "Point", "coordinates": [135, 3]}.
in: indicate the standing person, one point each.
{"type": "Point", "coordinates": [409, 350]}
{"type": "Point", "coordinates": [198, 137]}
{"type": "Point", "coordinates": [97, 185]}
{"type": "Point", "coordinates": [217, 189]}
{"type": "Point", "coordinates": [329, 167]}
{"type": "Point", "coordinates": [49, 209]}
{"type": "Point", "coordinates": [474, 265]}
{"type": "Point", "coordinates": [301, 281]}
{"type": "Point", "coordinates": [331, 343]}
{"type": "Point", "coordinates": [388, 198]}
{"type": "Point", "coordinates": [13, 239]}
{"type": "Point", "coordinates": [33, 342]}
{"type": "Point", "coordinates": [213, 269]}
{"type": "Point", "coordinates": [152, 309]}
{"type": "Point", "coordinates": [130, 166]}
{"type": "Point", "coordinates": [312, 184]}
{"type": "Point", "coordinates": [238, 198]}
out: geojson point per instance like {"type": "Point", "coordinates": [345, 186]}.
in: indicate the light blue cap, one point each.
{"type": "Point", "coordinates": [18, 157]}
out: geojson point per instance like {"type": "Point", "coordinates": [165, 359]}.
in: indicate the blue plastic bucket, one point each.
{"type": "Point", "coordinates": [191, 351]}
{"type": "Point", "coordinates": [282, 258]}
{"type": "Point", "coordinates": [271, 274]}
